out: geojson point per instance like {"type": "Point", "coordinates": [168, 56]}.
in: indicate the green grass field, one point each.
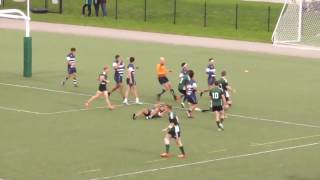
{"type": "Point", "coordinates": [46, 134]}
{"type": "Point", "coordinates": [252, 17]}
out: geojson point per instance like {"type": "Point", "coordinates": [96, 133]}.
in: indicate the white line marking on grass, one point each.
{"type": "Point", "coordinates": [285, 140]}
{"type": "Point", "coordinates": [272, 120]}
{"type": "Point", "coordinates": [45, 89]}
{"type": "Point", "coordinates": [19, 110]}
{"type": "Point", "coordinates": [234, 115]}
{"type": "Point", "coordinates": [206, 161]}
{"type": "Point", "coordinates": [89, 171]}
{"type": "Point", "coordinates": [157, 160]}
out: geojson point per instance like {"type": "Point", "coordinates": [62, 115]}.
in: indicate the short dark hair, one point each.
{"type": "Point", "coordinates": [182, 64]}
{"type": "Point", "coordinates": [169, 106]}
{"type": "Point", "coordinates": [191, 73]}
{"type": "Point", "coordinates": [216, 83]}
{"type": "Point", "coordinates": [117, 56]}
{"type": "Point", "coordinates": [210, 59]}
{"type": "Point", "coordinates": [223, 73]}
{"type": "Point", "coordinates": [73, 49]}
{"type": "Point", "coordinates": [131, 59]}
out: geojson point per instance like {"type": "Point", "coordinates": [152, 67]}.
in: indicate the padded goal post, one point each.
{"type": "Point", "coordinates": [27, 42]}
{"type": "Point", "coordinates": [298, 24]}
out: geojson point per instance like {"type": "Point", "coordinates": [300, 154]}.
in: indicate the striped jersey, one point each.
{"type": "Point", "coordinates": [71, 59]}
{"type": "Point", "coordinates": [131, 70]}
{"type": "Point", "coordinates": [211, 70]}
{"type": "Point", "coordinates": [119, 68]}
{"type": "Point", "coordinates": [191, 87]}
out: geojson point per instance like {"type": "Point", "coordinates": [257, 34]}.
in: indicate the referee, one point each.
{"type": "Point", "coordinates": [162, 72]}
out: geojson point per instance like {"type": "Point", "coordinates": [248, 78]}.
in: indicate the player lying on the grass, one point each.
{"type": "Point", "coordinates": [71, 68]}
{"type": "Point", "coordinates": [119, 68]}
{"type": "Point", "coordinates": [184, 79]}
{"type": "Point", "coordinates": [102, 90]}
{"type": "Point", "coordinates": [157, 111]}
{"type": "Point", "coordinates": [172, 132]}
{"type": "Point", "coordinates": [131, 82]}
{"type": "Point", "coordinates": [162, 72]}
{"type": "Point", "coordinates": [191, 96]}
{"type": "Point", "coordinates": [211, 72]}
{"type": "Point", "coordinates": [219, 102]}
{"type": "Point", "coordinates": [223, 83]}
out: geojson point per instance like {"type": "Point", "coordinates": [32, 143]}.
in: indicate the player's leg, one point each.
{"type": "Point", "coordinates": [164, 89]}
{"type": "Point", "coordinates": [135, 91]}
{"type": "Point", "coordinates": [96, 96]}
{"type": "Point", "coordinates": [110, 106]}
{"type": "Point", "coordinates": [142, 112]}
{"type": "Point", "coordinates": [125, 101]}
{"type": "Point", "coordinates": [218, 120]}
{"type": "Point", "coordinates": [169, 86]}
{"type": "Point", "coordinates": [179, 143]}
{"type": "Point", "coordinates": [167, 145]}
{"type": "Point", "coordinates": [65, 79]}
{"type": "Point", "coordinates": [74, 79]}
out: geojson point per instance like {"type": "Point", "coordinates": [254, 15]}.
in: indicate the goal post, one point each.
{"type": "Point", "coordinates": [298, 24]}
{"type": "Point", "coordinates": [27, 41]}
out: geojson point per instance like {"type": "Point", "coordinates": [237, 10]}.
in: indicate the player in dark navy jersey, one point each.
{"type": "Point", "coordinates": [71, 68]}
{"type": "Point", "coordinates": [102, 89]}
{"type": "Point", "coordinates": [211, 72]}
{"type": "Point", "coordinates": [119, 68]}
{"type": "Point", "coordinates": [191, 96]}
{"type": "Point", "coordinates": [173, 131]}
{"type": "Point", "coordinates": [131, 82]}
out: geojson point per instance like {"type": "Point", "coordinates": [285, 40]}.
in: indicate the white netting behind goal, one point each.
{"type": "Point", "coordinates": [299, 24]}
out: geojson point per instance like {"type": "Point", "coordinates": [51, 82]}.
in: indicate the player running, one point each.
{"type": "Point", "coordinates": [218, 101]}
{"type": "Point", "coordinates": [131, 82]}
{"type": "Point", "coordinates": [223, 83]}
{"type": "Point", "coordinates": [191, 96]}
{"type": "Point", "coordinates": [184, 79]}
{"type": "Point", "coordinates": [71, 68]}
{"type": "Point", "coordinates": [157, 111]}
{"type": "Point", "coordinates": [162, 72]}
{"type": "Point", "coordinates": [173, 132]}
{"type": "Point", "coordinates": [102, 90]}
{"type": "Point", "coordinates": [119, 68]}
{"type": "Point", "coordinates": [211, 72]}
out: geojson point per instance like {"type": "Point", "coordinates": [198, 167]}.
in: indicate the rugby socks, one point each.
{"type": "Point", "coordinates": [221, 120]}
{"type": "Point", "coordinates": [182, 150]}
{"type": "Point", "coordinates": [218, 124]}
{"type": "Point", "coordinates": [167, 148]}
{"type": "Point", "coordinates": [75, 82]}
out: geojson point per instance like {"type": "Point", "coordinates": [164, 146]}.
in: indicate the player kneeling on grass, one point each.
{"type": "Point", "coordinates": [191, 96]}
{"type": "Point", "coordinates": [102, 91]}
{"type": "Point", "coordinates": [217, 100]}
{"type": "Point", "coordinates": [157, 111]}
{"type": "Point", "coordinates": [173, 132]}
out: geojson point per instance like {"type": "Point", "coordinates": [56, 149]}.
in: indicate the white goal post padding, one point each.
{"type": "Point", "coordinates": [298, 24]}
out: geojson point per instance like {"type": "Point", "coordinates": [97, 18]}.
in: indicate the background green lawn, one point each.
{"type": "Point", "coordinates": [221, 15]}
{"type": "Point", "coordinates": [101, 143]}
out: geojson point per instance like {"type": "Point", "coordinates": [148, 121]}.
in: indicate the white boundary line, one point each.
{"type": "Point", "coordinates": [284, 140]}
{"type": "Point", "coordinates": [206, 161]}
{"type": "Point", "coordinates": [83, 94]}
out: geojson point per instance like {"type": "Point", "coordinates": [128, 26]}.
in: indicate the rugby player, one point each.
{"type": "Point", "coordinates": [131, 82]}
{"type": "Point", "coordinates": [211, 72]}
{"type": "Point", "coordinates": [191, 96]}
{"type": "Point", "coordinates": [172, 132]}
{"type": "Point", "coordinates": [218, 101]}
{"type": "Point", "coordinates": [184, 78]}
{"type": "Point", "coordinates": [223, 83]}
{"type": "Point", "coordinates": [158, 110]}
{"type": "Point", "coordinates": [71, 68]}
{"type": "Point", "coordinates": [119, 68]}
{"type": "Point", "coordinates": [102, 90]}
{"type": "Point", "coordinates": [162, 72]}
